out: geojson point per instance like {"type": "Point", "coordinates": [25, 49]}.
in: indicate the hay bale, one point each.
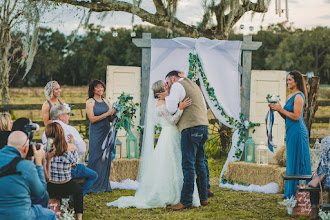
{"type": "Point", "coordinates": [122, 169]}
{"type": "Point", "coordinates": [280, 156]}
{"type": "Point", "coordinates": [255, 174]}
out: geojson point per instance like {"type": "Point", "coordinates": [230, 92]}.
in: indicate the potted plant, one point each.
{"type": "Point", "coordinates": [290, 204]}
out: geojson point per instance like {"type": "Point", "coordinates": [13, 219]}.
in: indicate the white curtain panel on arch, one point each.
{"type": "Point", "coordinates": [219, 60]}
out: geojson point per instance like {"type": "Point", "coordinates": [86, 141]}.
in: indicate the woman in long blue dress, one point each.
{"type": "Point", "coordinates": [98, 110]}
{"type": "Point", "coordinates": [298, 160]}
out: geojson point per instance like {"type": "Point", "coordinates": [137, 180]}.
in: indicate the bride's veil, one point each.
{"type": "Point", "coordinates": [146, 158]}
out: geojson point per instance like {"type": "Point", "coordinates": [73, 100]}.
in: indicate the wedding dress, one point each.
{"type": "Point", "coordinates": [162, 180]}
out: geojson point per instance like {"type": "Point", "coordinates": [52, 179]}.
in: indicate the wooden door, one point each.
{"type": "Point", "coordinates": [265, 82]}
{"type": "Point", "coordinates": [125, 79]}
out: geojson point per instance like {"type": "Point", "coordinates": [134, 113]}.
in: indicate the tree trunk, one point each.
{"type": "Point", "coordinates": [312, 85]}
{"type": "Point", "coordinates": [5, 42]}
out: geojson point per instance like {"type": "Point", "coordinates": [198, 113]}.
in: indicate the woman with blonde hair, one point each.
{"type": "Point", "coordinates": [5, 128]}
{"type": "Point", "coordinates": [52, 94]}
{"type": "Point", "coordinates": [59, 163]}
{"type": "Point", "coordinates": [298, 161]}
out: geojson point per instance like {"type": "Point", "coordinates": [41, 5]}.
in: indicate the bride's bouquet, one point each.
{"type": "Point", "coordinates": [126, 109]}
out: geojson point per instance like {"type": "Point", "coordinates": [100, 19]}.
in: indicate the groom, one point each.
{"type": "Point", "coordinates": [193, 126]}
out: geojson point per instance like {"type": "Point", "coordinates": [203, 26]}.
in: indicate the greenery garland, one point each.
{"type": "Point", "coordinates": [195, 67]}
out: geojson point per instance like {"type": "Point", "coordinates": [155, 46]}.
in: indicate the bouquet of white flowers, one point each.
{"type": "Point", "coordinates": [273, 98]}
{"type": "Point", "coordinates": [324, 215]}
{"type": "Point", "coordinates": [289, 202]}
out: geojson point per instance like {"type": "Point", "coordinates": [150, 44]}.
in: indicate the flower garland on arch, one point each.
{"type": "Point", "coordinates": [195, 68]}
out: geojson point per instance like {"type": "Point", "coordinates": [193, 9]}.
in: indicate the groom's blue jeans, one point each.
{"type": "Point", "coordinates": [193, 160]}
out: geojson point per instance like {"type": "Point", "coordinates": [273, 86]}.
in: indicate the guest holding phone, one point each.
{"type": "Point", "coordinates": [60, 160]}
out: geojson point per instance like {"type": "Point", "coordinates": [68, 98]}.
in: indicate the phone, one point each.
{"type": "Point", "coordinates": [50, 142]}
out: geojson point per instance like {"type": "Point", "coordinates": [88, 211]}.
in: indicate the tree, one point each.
{"type": "Point", "coordinates": [22, 49]}
{"type": "Point", "coordinates": [225, 12]}
{"type": "Point", "coordinates": [306, 51]}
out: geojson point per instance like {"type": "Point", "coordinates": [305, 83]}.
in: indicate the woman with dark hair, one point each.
{"type": "Point", "coordinates": [98, 110]}
{"type": "Point", "coordinates": [60, 159]}
{"type": "Point", "coordinates": [5, 128]}
{"type": "Point", "coordinates": [298, 160]}
{"type": "Point", "coordinates": [52, 94]}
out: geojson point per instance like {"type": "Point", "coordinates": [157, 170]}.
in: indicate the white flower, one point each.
{"type": "Point", "coordinates": [246, 124]}
{"type": "Point", "coordinates": [68, 108]}
{"type": "Point", "coordinates": [324, 215]}
{"type": "Point", "coordinates": [273, 98]}
{"type": "Point", "coordinates": [289, 202]}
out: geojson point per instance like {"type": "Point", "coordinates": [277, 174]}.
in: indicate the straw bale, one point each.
{"type": "Point", "coordinates": [255, 174]}
{"type": "Point", "coordinates": [280, 156]}
{"type": "Point", "coordinates": [122, 169]}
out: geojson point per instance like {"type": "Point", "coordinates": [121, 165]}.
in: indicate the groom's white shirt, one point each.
{"type": "Point", "coordinates": [177, 94]}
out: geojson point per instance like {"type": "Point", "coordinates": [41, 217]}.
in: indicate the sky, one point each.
{"type": "Point", "coordinates": [304, 14]}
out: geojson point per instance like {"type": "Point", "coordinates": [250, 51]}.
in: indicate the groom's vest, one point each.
{"type": "Point", "coordinates": [195, 114]}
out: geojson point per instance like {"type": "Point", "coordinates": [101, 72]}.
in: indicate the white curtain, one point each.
{"type": "Point", "coordinates": [219, 60]}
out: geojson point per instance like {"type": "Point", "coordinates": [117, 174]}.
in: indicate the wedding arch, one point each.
{"type": "Point", "coordinates": [218, 64]}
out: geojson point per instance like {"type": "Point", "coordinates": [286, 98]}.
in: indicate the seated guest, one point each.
{"type": "Point", "coordinates": [60, 163]}
{"type": "Point", "coordinates": [59, 114]}
{"type": "Point", "coordinates": [5, 128]}
{"type": "Point", "coordinates": [322, 169]}
{"type": "Point", "coordinates": [20, 179]}
{"type": "Point", "coordinates": [19, 125]}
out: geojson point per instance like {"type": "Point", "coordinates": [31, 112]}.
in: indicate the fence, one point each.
{"type": "Point", "coordinates": [85, 122]}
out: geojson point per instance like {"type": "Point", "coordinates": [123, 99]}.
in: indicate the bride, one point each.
{"type": "Point", "coordinates": [160, 172]}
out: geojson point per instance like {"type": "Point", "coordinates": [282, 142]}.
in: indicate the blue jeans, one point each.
{"type": "Point", "coordinates": [43, 201]}
{"type": "Point", "coordinates": [193, 160]}
{"type": "Point", "coordinates": [42, 213]}
{"type": "Point", "coordinates": [207, 174]}
{"type": "Point", "coordinates": [82, 172]}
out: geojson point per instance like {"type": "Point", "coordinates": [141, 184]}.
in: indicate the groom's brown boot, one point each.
{"type": "Point", "coordinates": [179, 206]}
{"type": "Point", "coordinates": [204, 203]}
{"type": "Point", "coordinates": [209, 193]}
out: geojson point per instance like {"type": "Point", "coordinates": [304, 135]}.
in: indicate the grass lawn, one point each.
{"type": "Point", "coordinates": [226, 204]}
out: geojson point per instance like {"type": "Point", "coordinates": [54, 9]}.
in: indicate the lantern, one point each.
{"type": "Point", "coordinates": [249, 150]}
{"type": "Point", "coordinates": [118, 148]}
{"type": "Point", "coordinates": [131, 146]}
{"type": "Point", "coordinates": [262, 154]}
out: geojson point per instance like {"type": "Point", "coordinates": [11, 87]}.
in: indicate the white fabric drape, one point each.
{"type": "Point", "coordinates": [219, 60]}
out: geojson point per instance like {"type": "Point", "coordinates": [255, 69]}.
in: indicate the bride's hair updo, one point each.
{"type": "Point", "coordinates": [158, 87]}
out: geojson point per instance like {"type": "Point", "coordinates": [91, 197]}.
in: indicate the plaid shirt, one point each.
{"type": "Point", "coordinates": [60, 168]}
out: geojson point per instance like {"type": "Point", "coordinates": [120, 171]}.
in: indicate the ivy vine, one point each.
{"type": "Point", "coordinates": [195, 68]}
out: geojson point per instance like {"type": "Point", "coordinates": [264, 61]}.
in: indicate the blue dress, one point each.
{"type": "Point", "coordinates": [98, 131]}
{"type": "Point", "coordinates": [298, 160]}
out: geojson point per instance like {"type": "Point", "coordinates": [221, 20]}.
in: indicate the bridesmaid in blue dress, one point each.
{"type": "Point", "coordinates": [298, 160]}
{"type": "Point", "coordinates": [98, 110]}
